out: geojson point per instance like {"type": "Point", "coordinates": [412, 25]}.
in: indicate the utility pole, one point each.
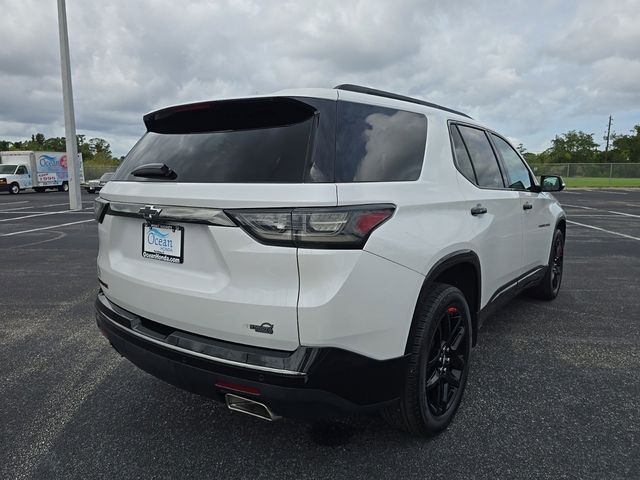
{"type": "Point", "coordinates": [75, 197]}
{"type": "Point", "coordinates": [606, 150]}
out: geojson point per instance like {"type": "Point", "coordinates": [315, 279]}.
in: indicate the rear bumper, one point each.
{"type": "Point", "coordinates": [308, 382]}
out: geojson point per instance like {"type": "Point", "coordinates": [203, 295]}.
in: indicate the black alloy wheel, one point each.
{"type": "Point", "coordinates": [549, 286]}
{"type": "Point", "coordinates": [439, 353]}
{"type": "Point", "coordinates": [446, 362]}
{"type": "Point", "coordinates": [556, 266]}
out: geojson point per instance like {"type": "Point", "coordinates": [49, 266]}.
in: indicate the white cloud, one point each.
{"type": "Point", "coordinates": [531, 70]}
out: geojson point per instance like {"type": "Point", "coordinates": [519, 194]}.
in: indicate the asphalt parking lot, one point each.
{"type": "Point", "coordinates": [554, 388]}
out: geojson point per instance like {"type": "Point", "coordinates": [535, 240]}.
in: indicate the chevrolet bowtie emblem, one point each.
{"type": "Point", "coordinates": [149, 212]}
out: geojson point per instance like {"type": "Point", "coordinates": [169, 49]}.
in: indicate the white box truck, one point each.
{"type": "Point", "coordinates": [37, 170]}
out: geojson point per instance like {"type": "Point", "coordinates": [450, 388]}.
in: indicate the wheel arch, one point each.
{"type": "Point", "coordinates": [460, 269]}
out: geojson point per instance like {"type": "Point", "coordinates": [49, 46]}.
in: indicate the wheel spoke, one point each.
{"type": "Point", "coordinates": [433, 380]}
{"type": "Point", "coordinates": [431, 363]}
{"type": "Point", "coordinates": [444, 327]}
{"type": "Point", "coordinates": [457, 362]}
{"type": "Point", "coordinates": [438, 337]}
{"type": "Point", "coordinates": [444, 395]}
{"type": "Point", "coordinates": [455, 343]}
{"type": "Point", "coordinates": [452, 380]}
{"type": "Point", "coordinates": [454, 330]}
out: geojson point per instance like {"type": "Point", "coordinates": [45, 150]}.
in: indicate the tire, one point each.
{"type": "Point", "coordinates": [549, 286]}
{"type": "Point", "coordinates": [90, 190]}
{"type": "Point", "coordinates": [14, 189]}
{"type": "Point", "coordinates": [64, 187]}
{"type": "Point", "coordinates": [439, 356]}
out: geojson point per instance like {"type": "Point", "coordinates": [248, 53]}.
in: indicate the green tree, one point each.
{"type": "Point", "coordinates": [626, 148]}
{"type": "Point", "coordinates": [55, 144]}
{"type": "Point", "coordinates": [96, 149]}
{"type": "Point", "coordinates": [531, 157]}
{"type": "Point", "coordinates": [573, 147]}
{"type": "Point", "coordinates": [100, 145]}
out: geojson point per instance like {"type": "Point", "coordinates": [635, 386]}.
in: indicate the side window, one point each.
{"type": "Point", "coordinates": [377, 144]}
{"type": "Point", "coordinates": [519, 178]}
{"type": "Point", "coordinates": [484, 160]}
{"type": "Point", "coordinates": [21, 170]}
{"type": "Point", "coordinates": [462, 156]}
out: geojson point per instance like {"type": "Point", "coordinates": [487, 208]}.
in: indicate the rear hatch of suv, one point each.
{"type": "Point", "coordinates": [170, 253]}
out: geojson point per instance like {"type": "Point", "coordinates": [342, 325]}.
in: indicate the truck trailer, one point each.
{"type": "Point", "coordinates": [38, 170]}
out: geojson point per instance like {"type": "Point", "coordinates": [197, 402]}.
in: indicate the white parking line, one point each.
{"type": "Point", "coordinates": [578, 206]}
{"type": "Point", "coordinates": [603, 230]}
{"type": "Point", "coordinates": [625, 214]}
{"type": "Point", "coordinates": [13, 203]}
{"type": "Point", "coordinates": [15, 208]}
{"type": "Point", "coordinates": [45, 228]}
{"type": "Point", "coordinates": [11, 212]}
{"type": "Point", "coordinates": [36, 215]}
{"type": "Point", "coordinates": [601, 210]}
{"type": "Point", "coordinates": [58, 204]}
{"type": "Point", "coordinates": [609, 192]}
{"type": "Point", "coordinates": [608, 215]}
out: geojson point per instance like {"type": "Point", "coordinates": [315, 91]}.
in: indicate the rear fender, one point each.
{"type": "Point", "coordinates": [472, 291]}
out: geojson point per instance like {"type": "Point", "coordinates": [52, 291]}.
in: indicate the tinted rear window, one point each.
{"type": "Point", "coordinates": [281, 140]}
{"type": "Point", "coordinates": [462, 156]}
{"type": "Point", "coordinates": [376, 144]}
{"type": "Point", "coordinates": [484, 160]}
{"type": "Point", "coordinates": [254, 141]}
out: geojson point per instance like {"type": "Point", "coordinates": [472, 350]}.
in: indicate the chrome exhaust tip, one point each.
{"type": "Point", "coordinates": [250, 407]}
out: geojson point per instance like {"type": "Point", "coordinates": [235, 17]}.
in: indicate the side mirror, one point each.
{"type": "Point", "coordinates": [551, 183]}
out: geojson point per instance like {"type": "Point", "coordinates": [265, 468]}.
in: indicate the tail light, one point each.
{"type": "Point", "coordinates": [336, 227]}
{"type": "Point", "coordinates": [100, 207]}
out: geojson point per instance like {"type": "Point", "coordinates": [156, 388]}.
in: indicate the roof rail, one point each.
{"type": "Point", "coordinates": [381, 93]}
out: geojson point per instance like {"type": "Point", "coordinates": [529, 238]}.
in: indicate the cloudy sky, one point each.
{"type": "Point", "coordinates": [529, 69]}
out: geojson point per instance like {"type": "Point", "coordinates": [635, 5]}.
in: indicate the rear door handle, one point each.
{"type": "Point", "coordinates": [527, 206]}
{"type": "Point", "coordinates": [478, 210]}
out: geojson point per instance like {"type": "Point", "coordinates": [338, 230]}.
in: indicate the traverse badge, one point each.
{"type": "Point", "coordinates": [264, 328]}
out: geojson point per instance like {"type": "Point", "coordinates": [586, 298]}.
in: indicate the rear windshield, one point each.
{"type": "Point", "coordinates": [280, 140]}
{"type": "Point", "coordinates": [261, 141]}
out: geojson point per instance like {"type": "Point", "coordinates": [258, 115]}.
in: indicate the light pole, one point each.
{"type": "Point", "coordinates": [75, 198]}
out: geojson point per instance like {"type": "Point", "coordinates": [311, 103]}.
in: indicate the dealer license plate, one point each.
{"type": "Point", "coordinates": [163, 242]}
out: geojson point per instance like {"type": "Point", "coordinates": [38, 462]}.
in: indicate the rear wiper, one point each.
{"type": "Point", "coordinates": [154, 170]}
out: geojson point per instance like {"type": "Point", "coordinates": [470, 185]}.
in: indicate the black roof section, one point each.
{"type": "Point", "coordinates": [381, 93]}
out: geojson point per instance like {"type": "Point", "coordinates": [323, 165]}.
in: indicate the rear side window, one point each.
{"type": "Point", "coordinates": [239, 141]}
{"type": "Point", "coordinates": [463, 161]}
{"type": "Point", "coordinates": [484, 160]}
{"type": "Point", "coordinates": [517, 172]}
{"type": "Point", "coordinates": [376, 144]}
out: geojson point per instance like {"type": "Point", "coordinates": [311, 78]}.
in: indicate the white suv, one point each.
{"type": "Point", "coordinates": [319, 251]}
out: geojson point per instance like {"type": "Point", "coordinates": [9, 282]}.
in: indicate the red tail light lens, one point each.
{"type": "Point", "coordinates": [337, 227]}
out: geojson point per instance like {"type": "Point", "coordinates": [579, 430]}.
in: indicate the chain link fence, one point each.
{"type": "Point", "coordinates": [592, 170]}
{"type": "Point", "coordinates": [92, 172]}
